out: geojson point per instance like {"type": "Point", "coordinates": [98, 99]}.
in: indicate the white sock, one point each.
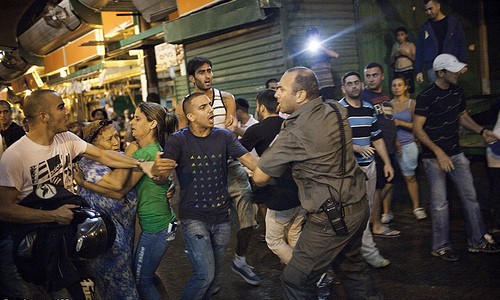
{"type": "Point", "coordinates": [239, 261]}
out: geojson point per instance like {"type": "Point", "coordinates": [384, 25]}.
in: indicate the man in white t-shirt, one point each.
{"type": "Point", "coordinates": [245, 119]}
{"type": "Point", "coordinates": [45, 155]}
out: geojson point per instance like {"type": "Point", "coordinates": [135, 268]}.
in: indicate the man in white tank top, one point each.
{"type": "Point", "coordinates": [200, 74]}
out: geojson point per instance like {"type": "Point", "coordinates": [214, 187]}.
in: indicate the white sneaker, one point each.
{"type": "Point", "coordinates": [378, 261]}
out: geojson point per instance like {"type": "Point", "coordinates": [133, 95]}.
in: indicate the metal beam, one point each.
{"type": "Point", "coordinates": [135, 39]}
{"type": "Point", "coordinates": [215, 19]}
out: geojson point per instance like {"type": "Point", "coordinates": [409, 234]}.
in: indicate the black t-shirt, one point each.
{"type": "Point", "coordinates": [442, 109]}
{"type": "Point", "coordinates": [385, 116]}
{"type": "Point", "coordinates": [202, 172]}
{"type": "Point", "coordinates": [260, 135]}
{"type": "Point", "coordinates": [440, 28]}
{"type": "Point", "coordinates": [12, 134]}
{"type": "Point", "coordinates": [284, 193]}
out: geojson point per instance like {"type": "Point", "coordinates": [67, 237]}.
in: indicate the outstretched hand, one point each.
{"type": "Point", "coordinates": [163, 166]}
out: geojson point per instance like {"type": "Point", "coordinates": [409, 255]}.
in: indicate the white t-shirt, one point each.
{"type": "Point", "coordinates": [244, 127]}
{"type": "Point", "coordinates": [249, 123]}
{"type": "Point", "coordinates": [26, 164]}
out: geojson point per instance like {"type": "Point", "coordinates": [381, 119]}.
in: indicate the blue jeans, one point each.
{"type": "Point", "coordinates": [240, 191]}
{"type": "Point", "coordinates": [148, 255]}
{"type": "Point", "coordinates": [462, 178]}
{"type": "Point", "coordinates": [205, 245]}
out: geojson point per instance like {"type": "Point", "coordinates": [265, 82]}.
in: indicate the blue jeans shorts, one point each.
{"type": "Point", "coordinates": [408, 159]}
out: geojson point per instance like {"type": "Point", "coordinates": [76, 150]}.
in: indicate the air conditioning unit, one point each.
{"type": "Point", "coordinates": [57, 26]}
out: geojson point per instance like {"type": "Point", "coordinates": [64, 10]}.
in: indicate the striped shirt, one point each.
{"type": "Point", "coordinates": [219, 109]}
{"type": "Point", "coordinates": [363, 122]}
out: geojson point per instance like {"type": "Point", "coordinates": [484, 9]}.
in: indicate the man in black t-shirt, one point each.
{"type": "Point", "coordinates": [373, 93]}
{"type": "Point", "coordinates": [439, 111]}
{"type": "Point", "coordinates": [285, 216]}
{"type": "Point", "coordinates": [9, 130]}
{"type": "Point", "coordinates": [439, 34]}
{"type": "Point", "coordinates": [201, 153]}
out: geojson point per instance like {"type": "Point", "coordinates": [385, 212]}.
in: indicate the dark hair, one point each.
{"type": "Point", "coordinates": [171, 122]}
{"type": "Point", "coordinates": [427, 1]}
{"type": "Point", "coordinates": [305, 80]}
{"type": "Point", "coordinates": [196, 62]}
{"type": "Point", "coordinates": [401, 28]}
{"type": "Point", "coordinates": [350, 73]}
{"type": "Point", "coordinates": [188, 99]}
{"type": "Point", "coordinates": [269, 81]}
{"type": "Point", "coordinates": [104, 113]}
{"type": "Point", "coordinates": [6, 103]}
{"type": "Point", "coordinates": [242, 104]}
{"type": "Point", "coordinates": [266, 98]}
{"type": "Point", "coordinates": [311, 31]}
{"type": "Point", "coordinates": [375, 65]}
{"type": "Point", "coordinates": [399, 76]}
{"type": "Point", "coordinates": [156, 112]}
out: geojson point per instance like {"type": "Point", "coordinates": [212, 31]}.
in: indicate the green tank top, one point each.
{"type": "Point", "coordinates": [154, 209]}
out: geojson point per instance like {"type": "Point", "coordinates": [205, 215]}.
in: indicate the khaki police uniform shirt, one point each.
{"type": "Point", "coordinates": [310, 142]}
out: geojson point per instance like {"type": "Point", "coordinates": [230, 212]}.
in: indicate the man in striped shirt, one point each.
{"type": "Point", "coordinates": [365, 133]}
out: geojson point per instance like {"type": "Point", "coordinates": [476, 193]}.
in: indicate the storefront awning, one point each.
{"type": "Point", "coordinates": [216, 19]}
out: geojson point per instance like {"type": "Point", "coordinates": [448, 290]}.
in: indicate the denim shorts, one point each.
{"type": "Point", "coordinates": [408, 159]}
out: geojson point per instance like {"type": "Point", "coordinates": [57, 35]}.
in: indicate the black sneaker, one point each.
{"type": "Point", "coordinates": [446, 254]}
{"type": "Point", "coordinates": [486, 248]}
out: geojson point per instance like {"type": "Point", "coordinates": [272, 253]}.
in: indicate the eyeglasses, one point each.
{"type": "Point", "coordinates": [102, 123]}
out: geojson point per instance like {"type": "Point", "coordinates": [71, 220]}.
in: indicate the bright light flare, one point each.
{"type": "Point", "coordinates": [313, 44]}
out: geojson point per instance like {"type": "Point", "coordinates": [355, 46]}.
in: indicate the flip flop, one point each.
{"type": "Point", "coordinates": [388, 233]}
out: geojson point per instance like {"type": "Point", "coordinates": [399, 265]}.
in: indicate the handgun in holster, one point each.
{"type": "Point", "coordinates": [335, 212]}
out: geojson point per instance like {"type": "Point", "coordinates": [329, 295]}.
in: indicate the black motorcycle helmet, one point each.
{"type": "Point", "coordinates": [95, 233]}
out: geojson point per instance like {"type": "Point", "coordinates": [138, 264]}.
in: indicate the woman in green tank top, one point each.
{"type": "Point", "coordinates": [151, 126]}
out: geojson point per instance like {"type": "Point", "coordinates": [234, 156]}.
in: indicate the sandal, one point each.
{"type": "Point", "coordinates": [419, 213]}
{"type": "Point", "coordinates": [388, 233]}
